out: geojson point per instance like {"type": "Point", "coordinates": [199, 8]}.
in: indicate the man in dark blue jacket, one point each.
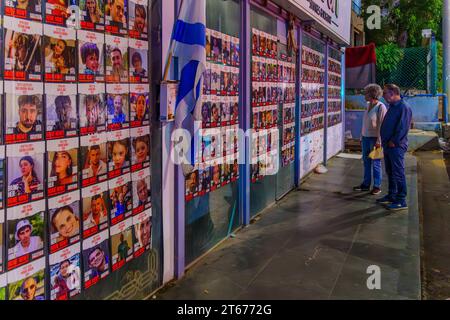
{"type": "Point", "coordinates": [394, 138]}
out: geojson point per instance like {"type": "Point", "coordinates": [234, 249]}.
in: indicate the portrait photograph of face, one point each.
{"type": "Point", "coordinates": [90, 62]}
{"type": "Point", "coordinates": [142, 192]}
{"type": "Point", "coordinates": [116, 16]}
{"type": "Point", "coordinates": [23, 56]}
{"type": "Point", "coordinates": [138, 15]}
{"type": "Point", "coordinates": [30, 288]}
{"type": "Point", "coordinates": [139, 104]}
{"type": "Point", "coordinates": [141, 149]}
{"type": "Point", "coordinates": [92, 14]}
{"type": "Point", "coordinates": [65, 223]}
{"type": "Point", "coordinates": [121, 247]}
{"type": "Point", "coordinates": [143, 234]}
{"type": "Point", "coordinates": [116, 63]}
{"type": "Point", "coordinates": [216, 46]}
{"type": "Point", "coordinates": [25, 9]}
{"type": "Point", "coordinates": [60, 58]}
{"type": "Point", "coordinates": [95, 213]}
{"type": "Point", "coordinates": [120, 201]}
{"type": "Point", "coordinates": [62, 115]}
{"type": "Point", "coordinates": [207, 80]}
{"type": "Point", "coordinates": [96, 262]}
{"type": "Point", "coordinates": [65, 277]}
{"type": "Point", "coordinates": [25, 176]}
{"type": "Point", "coordinates": [119, 154]}
{"type": "Point", "coordinates": [138, 65]}
{"type": "Point", "coordinates": [118, 110]}
{"type": "Point", "coordinates": [62, 169]}
{"type": "Point", "coordinates": [26, 236]}
{"type": "Point", "coordinates": [92, 113]}
{"type": "Point", "coordinates": [191, 184]}
{"type": "Point", "coordinates": [24, 117]}
{"type": "Point", "coordinates": [93, 160]}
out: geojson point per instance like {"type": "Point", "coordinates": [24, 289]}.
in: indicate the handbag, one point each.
{"type": "Point", "coordinates": [377, 154]}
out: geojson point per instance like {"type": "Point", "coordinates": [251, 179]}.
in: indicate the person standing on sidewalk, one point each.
{"type": "Point", "coordinates": [394, 138]}
{"type": "Point", "coordinates": [372, 120]}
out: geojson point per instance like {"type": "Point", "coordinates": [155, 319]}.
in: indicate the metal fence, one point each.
{"type": "Point", "coordinates": [412, 70]}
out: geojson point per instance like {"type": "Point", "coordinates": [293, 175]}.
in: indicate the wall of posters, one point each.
{"type": "Point", "coordinates": [335, 142]}
{"type": "Point", "coordinates": [75, 165]}
{"type": "Point", "coordinates": [312, 105]}
{"type": "Point", "coordinates": [216, 147]}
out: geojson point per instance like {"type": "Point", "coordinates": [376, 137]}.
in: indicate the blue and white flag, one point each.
{"type": "Point", "coordinates": [189, 40]}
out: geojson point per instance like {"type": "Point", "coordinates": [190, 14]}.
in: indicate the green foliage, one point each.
{"type": "Point", "coordinates": [404, 21]}
{"type": "Point", "coordinates": [2, 294]}
{"type": "Point", "coordinates": [388, 57]}
{"type": "Point", "coordinates": [440, 65]}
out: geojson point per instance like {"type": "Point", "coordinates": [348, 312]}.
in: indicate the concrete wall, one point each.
{"type": "Point", "coordinates": [425, 114]}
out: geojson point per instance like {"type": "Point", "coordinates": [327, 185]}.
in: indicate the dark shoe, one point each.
{"type": "Point", "coordinates": [375, 191]}
{"type": "Point", "coordinates": [396, 206]}
{"type": "Point", "coordinates": [361, 188]}
{"type": "Point", "coordinates": [385, 200]}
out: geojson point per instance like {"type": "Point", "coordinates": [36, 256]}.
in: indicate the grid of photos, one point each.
{"type": "Point", "coordinates": [75, 164]}
{"type": "Point", "coordinates": [217, 147]}
{"type": "Point", "coordinates": [334, 88]}
{"type": "Point", "coordinates": [273, 85]}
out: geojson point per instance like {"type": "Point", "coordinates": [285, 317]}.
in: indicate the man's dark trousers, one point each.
{"type": "Point", "coordinates": [394, 159]}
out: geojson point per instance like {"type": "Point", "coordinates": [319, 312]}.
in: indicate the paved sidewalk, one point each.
{"type": "Point", "coordinates": [317, 243]}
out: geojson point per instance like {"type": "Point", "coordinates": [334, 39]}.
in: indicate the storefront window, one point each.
{"type": "Point", "coordinates": [212, 210]}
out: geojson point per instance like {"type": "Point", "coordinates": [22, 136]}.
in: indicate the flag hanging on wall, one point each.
{"type": "Point", "coordinates": [360, 65]}
{"type": "Point", "coordinates": [189, 40]}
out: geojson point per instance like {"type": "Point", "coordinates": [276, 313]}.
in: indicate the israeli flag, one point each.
{"type": "Point", "coordinates": [189, 40]}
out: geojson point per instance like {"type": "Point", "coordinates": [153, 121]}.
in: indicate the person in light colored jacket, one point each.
{"type": "Point", "coordinates": [370, 139]}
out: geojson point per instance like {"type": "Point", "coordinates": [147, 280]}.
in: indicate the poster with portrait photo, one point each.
{"type": "Point", "coordinates": [62, 166]}
{"type": "Point", "coordinates": [64, 220]}
{"type": "Point", "coordinates": [93, 162]}
{"type": "Point", "coordinates": [23, 44]}
{"type": "Point", "coordinates": [208, 44]}
{"type": "Point", "coordinates": [65, 273]}
{"type": "Point", "coordinates": [24, 114]}
{"type": "Point", "coordinates": [215, 111]}
{"type": "Point", "coordinates": [57, 11]}
{"type": "Point", "coordinates": [216, 46]}
{"type": "Point", "coordinates": [120, 198]}
{"type": "Point", "coordinates": [96, 258]}
{"type": "Point", "coordinates": [92, 108]}
{"type": "Point", "coordinates": [25, 173]}
{"type": "Point", "coordinates": [26, 233]}
{"type": "Point", "coordinates": [2, 233]}
{"type": "Point", "coordinates": [139, 105]}
{"type": "Point", "coordinates": [138, 19]}
{"type": "Point", "coordinates": [206, 111]}
{"type": "Point", "coordinates": [142, 198]}
{"type": "Point", "coordinates": [225, 83]}
{"type": "Point", "coordinates": [121, 243]}
{"type": "Point", "coordinates": [216, 174]}
{"type": "Point", "coordinates": [139, 67]}
{"type": "Point", "coordinates": [95, 208]}
{"type": "Point", "coordinates": [27, 282]}
{"type": "Point", "coordinates": [92, 15]}
{"type": "Point", "coordinates": [142, 232]}
{"type": "Point", "coordinates": [215, 78]}
{"type": "Point", "coordinates": [28, 9]}
{"type": "Point", "coordinates": [61, 111]}
{"type": "Point", "coordinates": [235, 52]}
{"type": "Point", "coordinates": [116, 59]}
{"type": "Point", "coordinates": [226, 49]}
{"type": "Point", "coordinates": [140, 144]}
{"type": "Point", "coordinates": [116, 17]}
{"type": "Point", "coordinates": [255, 42]}
{"type": "Point", "coordinates": [91, 48]}
{"type": "Point", "coordinates": [204, 173]}
{"type": "Point", "coordinates": [192, 186]}
{"type": "Point", "coordinates": [60, 54]}
{"type": "Point", "coordinates": [119, 153]}
{"type": "Point", "coordinates": [118, 108]}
